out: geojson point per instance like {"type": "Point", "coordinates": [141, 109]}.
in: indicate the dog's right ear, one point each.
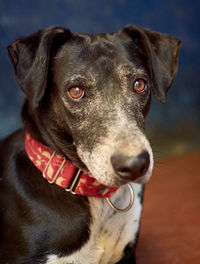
{"type": "Point", "coordinates": [161, 52]}
{"type": "Point", "coordinates": [31, 60]}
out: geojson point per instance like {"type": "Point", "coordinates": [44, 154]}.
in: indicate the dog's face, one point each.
{"type": "Point", "coordinates": [95, 79]}
{"type": "Point", "coordinates": [91, 93]}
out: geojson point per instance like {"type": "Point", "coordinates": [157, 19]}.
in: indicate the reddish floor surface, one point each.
{"type": "Point", "coordinates": [170, 229]}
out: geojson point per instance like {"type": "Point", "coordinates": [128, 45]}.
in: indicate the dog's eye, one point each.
{"type": "Point", "coordinates": [76, 92]}
{"type": "Point", "coordinates": [139, 86]}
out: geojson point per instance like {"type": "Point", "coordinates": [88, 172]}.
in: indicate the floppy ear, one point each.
{"type": "Point", "coordinates": [31, 58]}
{"type": "Point", "coordinates": [160, 52]}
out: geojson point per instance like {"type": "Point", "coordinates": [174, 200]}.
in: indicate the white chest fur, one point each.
{"type": "Point", "coordinates": [110, 232]}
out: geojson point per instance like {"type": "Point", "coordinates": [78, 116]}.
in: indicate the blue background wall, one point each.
{"type": "Point", "coordinates": [176, 125]}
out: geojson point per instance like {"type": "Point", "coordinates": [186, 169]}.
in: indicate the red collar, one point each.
{"type": "Point", "coordinates": [56, 169]}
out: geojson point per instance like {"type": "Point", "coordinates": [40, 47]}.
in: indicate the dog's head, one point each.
{"type": "Point", "coordinates": [88, 95]}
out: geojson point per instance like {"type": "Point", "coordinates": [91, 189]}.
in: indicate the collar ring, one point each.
{"type": "Point", "coordinates": [126, 209]}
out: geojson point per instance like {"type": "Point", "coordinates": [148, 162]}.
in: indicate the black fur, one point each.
{"type": "Point", "coordinates": [33, 214]}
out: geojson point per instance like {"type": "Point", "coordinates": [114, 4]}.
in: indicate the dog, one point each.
{"type": "Point", "coordinates": [87, 96]}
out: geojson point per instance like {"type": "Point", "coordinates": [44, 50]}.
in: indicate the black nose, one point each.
{"type": "Point", "coordinates": [130, 168]}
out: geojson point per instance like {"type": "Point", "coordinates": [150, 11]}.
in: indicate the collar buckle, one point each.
{"type": "Point", "coordinates": [58, 171]}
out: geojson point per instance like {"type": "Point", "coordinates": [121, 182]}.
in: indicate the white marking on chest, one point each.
{"type": "Point", "coordinates": [110, 232]}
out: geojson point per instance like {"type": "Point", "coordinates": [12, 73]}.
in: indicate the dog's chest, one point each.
{"type": "Point", "coordinates": [110, 231]}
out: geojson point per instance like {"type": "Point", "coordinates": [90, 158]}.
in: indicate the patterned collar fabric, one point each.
{"type": "Point", "coordinates": [56, 169]}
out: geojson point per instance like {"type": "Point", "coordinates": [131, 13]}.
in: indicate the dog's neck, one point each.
{"type": "Point", "coordinates": [56, 169]}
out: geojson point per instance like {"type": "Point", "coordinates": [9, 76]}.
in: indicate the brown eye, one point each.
{"type": "Point", "coordinates": [76, 92]}
{"type": "Point", "coordinates": [139, 86]}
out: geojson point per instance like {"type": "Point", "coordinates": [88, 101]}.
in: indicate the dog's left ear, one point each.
{"type": "Point", "coordinates": [161, 53]}
{"type": "Point", "coordinates": [31, 57]}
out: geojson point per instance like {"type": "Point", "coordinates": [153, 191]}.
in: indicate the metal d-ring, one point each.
{"type": "Point", "coordinates": [126, 209]}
